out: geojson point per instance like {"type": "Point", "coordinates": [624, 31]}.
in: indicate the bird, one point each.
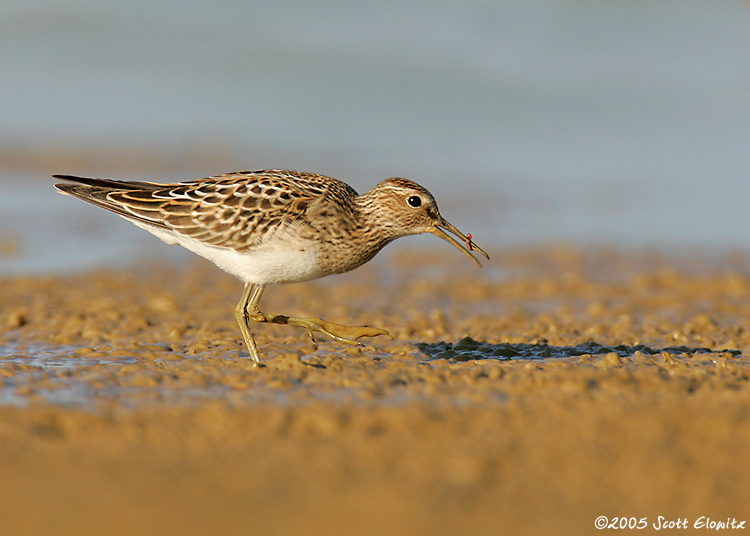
{"type": "Point", "coordinates": [273, 226]}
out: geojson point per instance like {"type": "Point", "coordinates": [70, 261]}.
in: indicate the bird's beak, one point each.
{"type": "Point", "coordinates": [440, 230]}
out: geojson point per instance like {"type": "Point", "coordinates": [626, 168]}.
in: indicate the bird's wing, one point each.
{"type": "Point", "coordinates": [235, 210]}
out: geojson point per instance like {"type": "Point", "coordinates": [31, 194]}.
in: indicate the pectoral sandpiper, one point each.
{"type": "Point", "coordinates": [272, 226]}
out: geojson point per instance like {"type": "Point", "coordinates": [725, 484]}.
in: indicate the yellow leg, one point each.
{"type": "Point", "coordinates": [250, 297]}
{"type": "Point", "coordinates": [247, 309]}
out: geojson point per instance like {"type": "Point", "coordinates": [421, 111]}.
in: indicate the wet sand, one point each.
{"type": "Point", "coordinates": [530, 398]}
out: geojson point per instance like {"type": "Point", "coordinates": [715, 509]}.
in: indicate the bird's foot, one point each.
{"type": "Point", "coordinates": [341, 333]}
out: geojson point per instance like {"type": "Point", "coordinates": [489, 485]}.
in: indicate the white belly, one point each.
{"type": "Point", "coordinates": [265, 264]}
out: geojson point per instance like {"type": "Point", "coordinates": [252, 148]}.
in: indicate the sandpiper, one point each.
{"type": "Point", "coordinates": [274, 226]}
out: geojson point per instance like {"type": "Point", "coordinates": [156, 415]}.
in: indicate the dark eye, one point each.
{"type": "Point", "coordinates": [414, 201]}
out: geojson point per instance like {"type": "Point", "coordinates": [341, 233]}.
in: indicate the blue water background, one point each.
{"type": "Point", "coordinates": [534, 122]}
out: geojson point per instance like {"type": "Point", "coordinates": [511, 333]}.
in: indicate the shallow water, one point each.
{"type": "Point", "coordinates": [40, 356]}
{"type": "Point", "coordinates": [53, 377]}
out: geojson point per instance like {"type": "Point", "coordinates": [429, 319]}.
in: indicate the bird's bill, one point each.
{"type": "Point", "coordinates": [443, 226]}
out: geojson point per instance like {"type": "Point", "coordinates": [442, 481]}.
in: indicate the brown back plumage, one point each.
{"type": "Point", "coordinates": [230, 210]}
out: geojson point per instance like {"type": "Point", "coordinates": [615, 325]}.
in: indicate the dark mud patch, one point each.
{"type": "Point", "coordinates": [468, 349]}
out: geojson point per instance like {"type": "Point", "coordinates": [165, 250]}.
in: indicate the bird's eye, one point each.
{"type": "Point", "coordinates": [414, 201]}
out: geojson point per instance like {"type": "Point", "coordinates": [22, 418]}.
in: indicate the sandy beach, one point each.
{"type": "Point", "coordinates": [554, 387]}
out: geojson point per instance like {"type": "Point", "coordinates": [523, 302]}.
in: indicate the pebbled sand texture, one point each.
{"type": "Point", "coordinates": [556, 386]}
